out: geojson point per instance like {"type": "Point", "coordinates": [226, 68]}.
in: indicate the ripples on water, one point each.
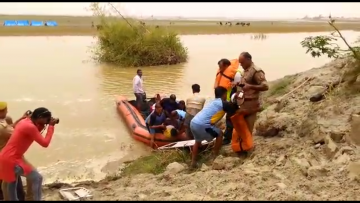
{"type": "Point", "coordinates": [82, 94]}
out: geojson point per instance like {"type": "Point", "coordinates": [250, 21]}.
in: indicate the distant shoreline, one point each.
{"type": "Point", "coordinates": [181, 30]}
{"type": "Point", "coordinates": [82, 26]}
{"type": "Point", "coordinates": [179, 18]}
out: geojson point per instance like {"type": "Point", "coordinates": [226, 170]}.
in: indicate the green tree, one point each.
{"type": "Point", "coordinates": [328, 45]}
{"type": "Point", "coordinates": [128, 42]}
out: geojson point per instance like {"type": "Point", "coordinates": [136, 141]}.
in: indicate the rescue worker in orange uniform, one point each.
{"type": "Point", "coordinates": [225, 75]}
{"type": "Point", "coordinates": [253, 82]}
{"type": "Point", "coordinates": [225, 78]}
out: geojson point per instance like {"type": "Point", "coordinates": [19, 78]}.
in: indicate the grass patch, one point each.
{"type": "Point", "coordinates": [280, 87]}
{"type": "Point", "coordinates": [157, 162]}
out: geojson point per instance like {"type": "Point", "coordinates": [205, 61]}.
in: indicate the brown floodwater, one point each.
{"type": "Point", "coordinates": [57, 73]}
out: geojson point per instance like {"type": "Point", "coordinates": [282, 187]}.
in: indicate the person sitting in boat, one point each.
{"type": "Point", "coordinates": [169, 104]}
{"type": "Point", "coordinates": [181, 105]}
{"type": "Point", "coordinates": [157, 100]}
{"type": "Point", "coordinates": [173, 120]}
{"type": "Point", "coordinates": [181, 114]}
{"type": "Point", "coordinates": [171, 131]}
{"type": "Point", "coordinates": [156, 121]}
{"type": "Point", "coordinates": [181, 111]}
{"type": "Point", "coordinates": [173, 125]}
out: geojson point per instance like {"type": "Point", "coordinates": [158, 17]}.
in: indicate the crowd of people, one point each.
{"type": "Point", "coordinates": [167, 116]}
{"type": "Point", "coordinates": [237, 91]}
{"type": "Point", "coordinates": [15, 139]}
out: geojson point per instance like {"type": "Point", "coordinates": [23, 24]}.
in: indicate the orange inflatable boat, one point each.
{"type": "Point", "coordinates": [137, 127]}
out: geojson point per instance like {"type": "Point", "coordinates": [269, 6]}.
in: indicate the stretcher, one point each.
{"type": "Point", "coordinates": [183, 144]}
{"type": "Point", "coordinates": [75, 194]}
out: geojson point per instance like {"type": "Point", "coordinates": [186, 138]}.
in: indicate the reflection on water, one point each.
{"type": "Point", "coordinates": [49, 71]}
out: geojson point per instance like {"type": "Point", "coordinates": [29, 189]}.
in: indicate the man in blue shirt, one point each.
{"type": "Point", "coordinates": [203, 124]}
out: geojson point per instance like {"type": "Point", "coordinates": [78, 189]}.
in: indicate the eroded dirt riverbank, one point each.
{"type": "Point", "coordinates": [304, 151]}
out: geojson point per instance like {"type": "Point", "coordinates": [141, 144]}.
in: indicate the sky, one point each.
{"type": "Point", "coordinates": [194, 10]}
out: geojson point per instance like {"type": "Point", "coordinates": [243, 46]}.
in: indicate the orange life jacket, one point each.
{"type": "Point", "coordinates": [225, 78]}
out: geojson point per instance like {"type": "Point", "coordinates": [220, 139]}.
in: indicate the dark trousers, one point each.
{"type": "Point", "coordinates": [139, 99]}
{"type": "Point", "coordinates": [187, 121]}
{"type": "Point", "coordinates": [228, 131]}
{"type": "Point", "coordinates": [19, 189]}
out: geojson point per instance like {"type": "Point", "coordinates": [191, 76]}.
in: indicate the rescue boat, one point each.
{"type": "Point", "coordinates": [137, 127]}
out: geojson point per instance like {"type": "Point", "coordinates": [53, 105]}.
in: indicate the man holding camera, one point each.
{"type": "Point", "coordinates": [12, 164]}
{"type": "Point", "coordinates": [6, 130]}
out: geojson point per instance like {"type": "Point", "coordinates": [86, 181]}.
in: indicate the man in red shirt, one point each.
{"type": "Point", "coordinates": [6, 129]}
{"type": "Point", "coordinates": [12, 164]}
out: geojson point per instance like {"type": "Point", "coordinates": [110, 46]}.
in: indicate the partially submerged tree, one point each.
{"type": "Point", "coordinates": [327, 45]}
{"type": "Point", "coordinates": [126, 42]}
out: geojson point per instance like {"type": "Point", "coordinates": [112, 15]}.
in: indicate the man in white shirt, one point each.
{"type": "Point", "coordinates": [194, 105]}
{"type": "Point", "coordinates": [138, 88]}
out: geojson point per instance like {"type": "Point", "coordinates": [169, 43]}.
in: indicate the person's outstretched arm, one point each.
{"type": "Point", "coordinates": [37, 137]}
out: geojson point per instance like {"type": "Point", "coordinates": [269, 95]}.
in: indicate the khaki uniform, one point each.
{"type": "Point", "coordinates": [254, 76]}
{"type": "Point", "coordinates": [5, 131]}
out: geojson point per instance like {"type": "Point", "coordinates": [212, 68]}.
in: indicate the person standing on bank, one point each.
{"type": "Point", "coordinates": [253, 82]}
{"type": "Point", "coordinates": [138, 88]}
{"type": "Point", "coordinates": [225, 77]}
{"type": "Point", "coordinates": [12, 164]}
{"type": "Point", "coordinates": [194, 105]}
{"type": "Point", "coordinates": [6, 129]}
{"type": "Point", "coordinates": [203, 124]}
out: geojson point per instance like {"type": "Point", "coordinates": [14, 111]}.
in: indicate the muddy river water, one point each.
{"type": "Point", "coordinates": [56, 72]}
